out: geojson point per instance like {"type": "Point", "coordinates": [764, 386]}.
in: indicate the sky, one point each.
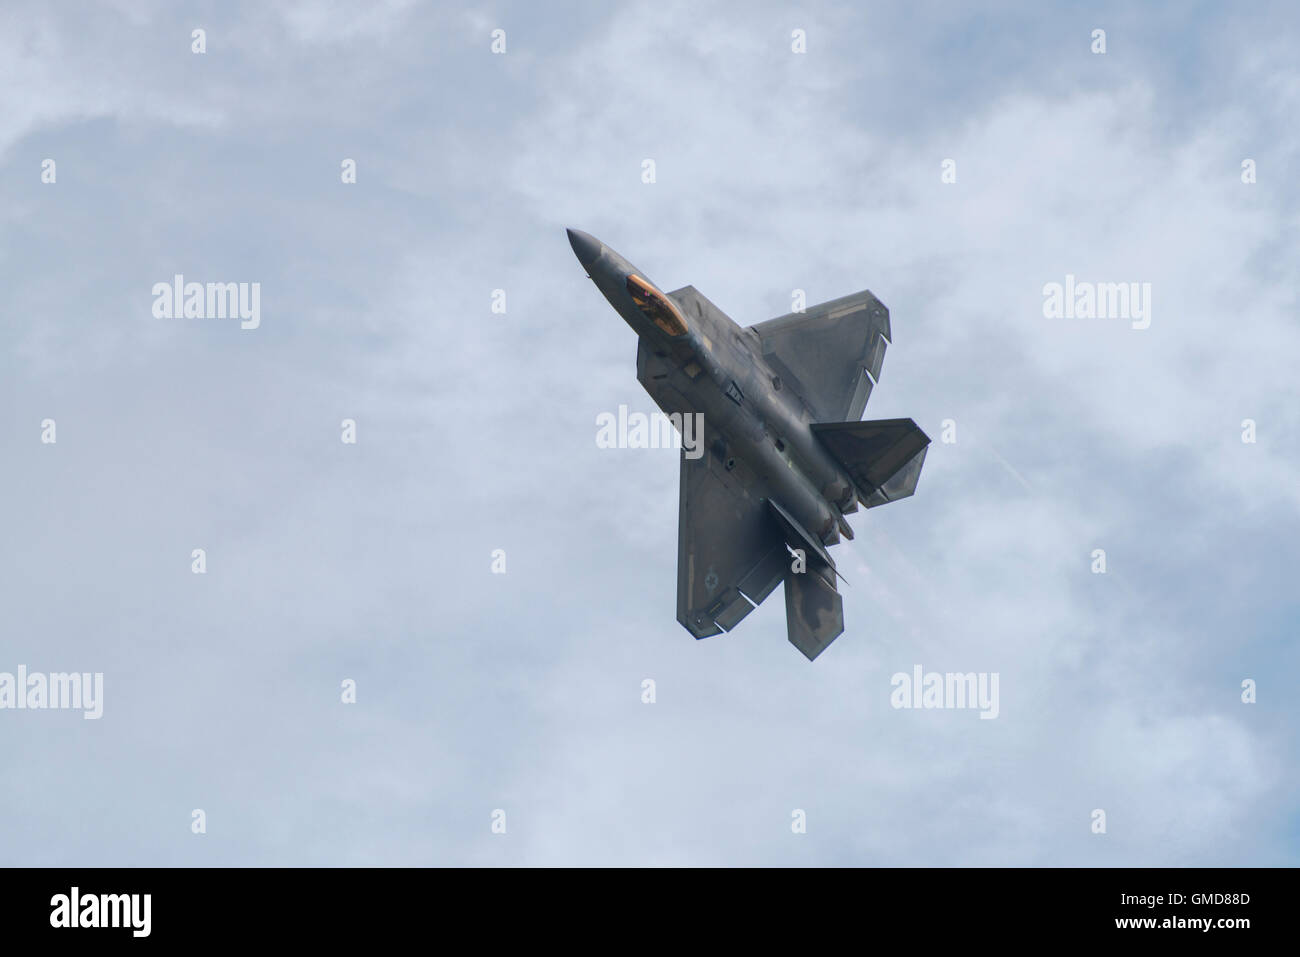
{"type": "Point", "coordinates": [955, 162]}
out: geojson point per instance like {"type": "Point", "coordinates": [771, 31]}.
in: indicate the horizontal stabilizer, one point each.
{"type": "Point", "coordinates": [883, 458]}
{"type": "Point", "coordinates": [800, 537]}
{"type": "Point", "coordinates": [814, 610]}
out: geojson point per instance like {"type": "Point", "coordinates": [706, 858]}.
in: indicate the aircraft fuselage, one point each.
{"type": "Point", "coordinates": [717, 367]}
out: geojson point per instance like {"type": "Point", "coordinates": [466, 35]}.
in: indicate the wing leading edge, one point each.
{"type": "Point", "coordinates": [831, 353]}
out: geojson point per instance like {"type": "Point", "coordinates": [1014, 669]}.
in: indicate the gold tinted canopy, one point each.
{"type": "Point", "coordinates": [656, 306]}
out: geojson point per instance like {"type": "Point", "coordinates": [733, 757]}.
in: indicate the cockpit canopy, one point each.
{"type": "Point", "coordinates": [656, 306]}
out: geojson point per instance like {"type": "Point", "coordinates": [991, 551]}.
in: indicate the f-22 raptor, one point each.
{"type": "Point", "coordinates": [786, 455]}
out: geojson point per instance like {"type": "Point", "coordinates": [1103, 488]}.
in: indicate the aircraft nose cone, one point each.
{"type": "Point", "coordinates": [585, 246]}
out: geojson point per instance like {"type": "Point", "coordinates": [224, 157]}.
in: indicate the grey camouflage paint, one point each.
{"type": "Point", "coordinates": [785, 457]}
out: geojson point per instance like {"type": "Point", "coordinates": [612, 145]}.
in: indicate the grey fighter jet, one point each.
{"type": "Point", "coordinates": [785, 455]}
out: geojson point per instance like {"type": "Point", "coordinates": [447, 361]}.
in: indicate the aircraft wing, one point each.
{"type": "Point", "coordinates": [728, 547]}
{"type": "Point", "coordinates": [731, 539]}
{"type": "Point", "coordinates": [831, 354]}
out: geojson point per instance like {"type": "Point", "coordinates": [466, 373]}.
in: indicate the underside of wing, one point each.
{"type": "Point", "coordinates": [730, 553]}
{"type": "Point", "coordinates": [831, 353]}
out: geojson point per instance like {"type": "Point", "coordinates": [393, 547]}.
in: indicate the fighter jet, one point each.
{"type": "Point", "coordinates": [786, 457]}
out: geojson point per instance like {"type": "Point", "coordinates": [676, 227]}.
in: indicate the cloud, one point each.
{"type": "Point", "coordinates": [775, 171]}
